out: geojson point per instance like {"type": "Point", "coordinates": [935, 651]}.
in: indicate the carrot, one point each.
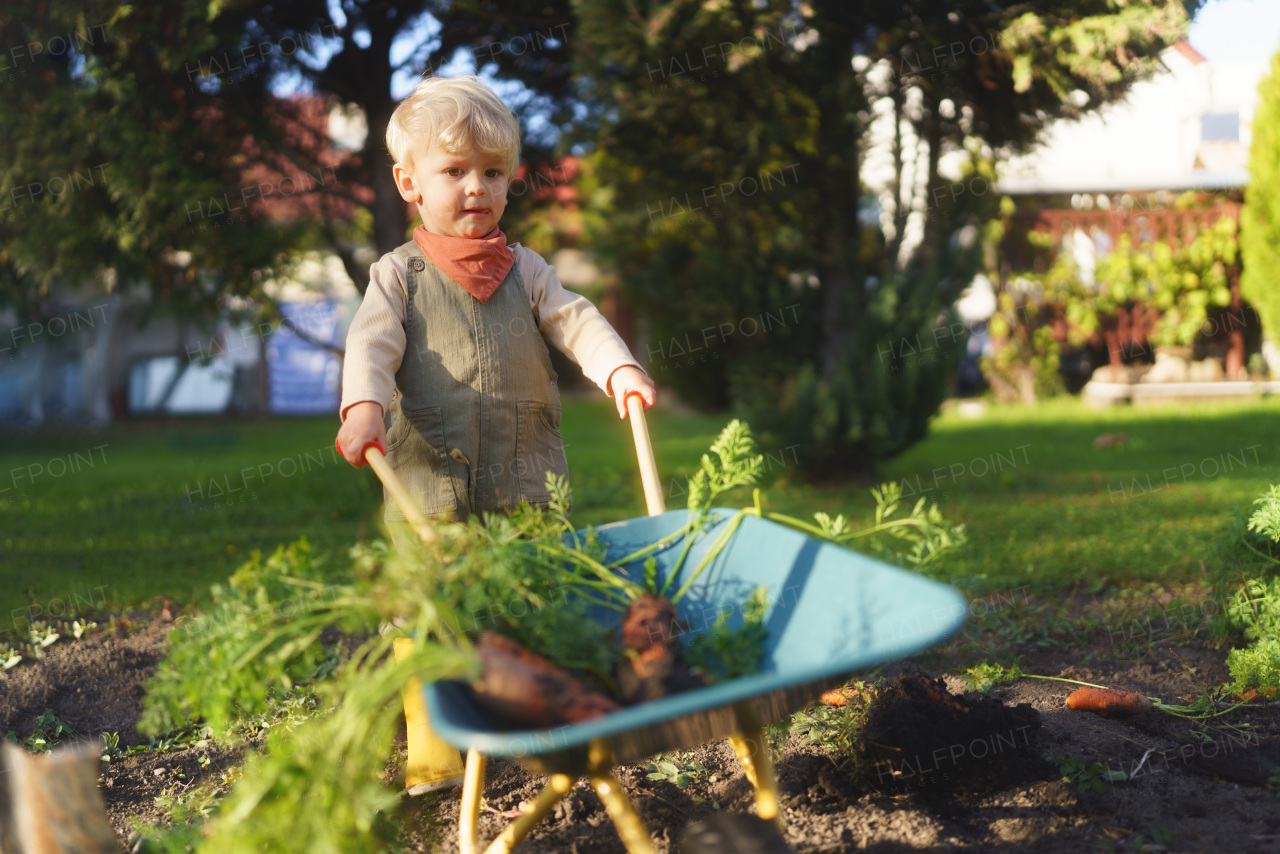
{"type": "Point", "coordinates": [652, 667]}
{"type": "Point", "coordinates": [526, 687]}
{"type": "Point", "coordinates": [650, 620]}
{"type": "Point", "coordinates": [1108, 701]}
{"type": "Point", "coordinates": [1257, 694]}
{"type": "Point", "coordinates": [842, 696]}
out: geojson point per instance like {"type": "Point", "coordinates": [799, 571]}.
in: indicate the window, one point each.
{"type": "Point", "coordinates": [1220, 127]}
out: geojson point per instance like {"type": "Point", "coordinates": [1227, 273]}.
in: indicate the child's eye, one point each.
{"type": "Point", "coordinates": [453, 172]}
{"type": "Point", "coordinates": [493, 173]}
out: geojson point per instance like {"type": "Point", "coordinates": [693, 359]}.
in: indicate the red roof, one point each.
{"type": "Point", "coordinates": [284, 188]}
{"type": "Point", "coordinates": [1184, 47]}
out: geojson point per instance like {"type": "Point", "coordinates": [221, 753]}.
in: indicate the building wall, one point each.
{"type": "Point", "coordinates": [1151, 139]}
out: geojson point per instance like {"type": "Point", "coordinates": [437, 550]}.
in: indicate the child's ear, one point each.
{"type": "Point", "coordinates": [405, 184]}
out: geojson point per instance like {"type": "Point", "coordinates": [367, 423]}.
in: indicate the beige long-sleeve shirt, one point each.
{"type": "Point", "coordinates": [376, 341]}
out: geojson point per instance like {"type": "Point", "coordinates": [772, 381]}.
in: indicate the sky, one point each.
{"type": "Point", "coordinates": [1237, 30]}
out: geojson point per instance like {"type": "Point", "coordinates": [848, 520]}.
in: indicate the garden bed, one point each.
{"type": "Point", "coordinates": [1204, 792]}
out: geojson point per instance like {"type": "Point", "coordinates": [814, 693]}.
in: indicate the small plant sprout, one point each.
{"type": "Point", "coordinates": [983, 677]}
{"type": "Point", "coordinates": [677, 770]}
{"type": "Point", "coordinates": [1093, 777]}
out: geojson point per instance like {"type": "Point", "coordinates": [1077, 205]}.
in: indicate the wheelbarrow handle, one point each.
{"type": "Point", "coordinates": [375, 455]}
{"type": "Point", "coordinates": [644, 453]}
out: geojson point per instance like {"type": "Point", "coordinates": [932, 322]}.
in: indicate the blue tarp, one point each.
{"type": "Point", "coordinates": [305, 379]}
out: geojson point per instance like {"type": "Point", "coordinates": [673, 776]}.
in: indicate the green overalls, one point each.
{"type": "Point", "coordinates": [474, 425]}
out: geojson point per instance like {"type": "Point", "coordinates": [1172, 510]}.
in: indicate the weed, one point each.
{"type": "Point", "coordinates": [1093, 777]}
{"type": "Point", "coordinates": [835, 729]}
{"type": "Point", "coordinates": [726, 653]}
{"type": "Point", "coordinates": [48, 732]}
{"type": "Point", "coordinates": [188, 804]}
{"type": "Point", "coordinates": [1266, 519]}
{"type": "Point", "coordinates": [678, 770]}
{"type": "Point", "coordinates": [1161, 837]}
{"type": "Point", "coordinates": [983, 677]}
{"type": "Point", "coordinates": [776, 735]}
{"type": "Point", "coordinates": [1255, 608]}
{"type": "Point", "coordinates": [111, 750]}
{"type": "Point", "coordinates": [191, 735]}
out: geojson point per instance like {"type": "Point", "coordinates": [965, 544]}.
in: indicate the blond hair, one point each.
{"type": "Point", "coordinates": [457, 114]}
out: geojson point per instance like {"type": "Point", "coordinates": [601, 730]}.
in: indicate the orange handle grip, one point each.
{"type": "Point", "coordinates": [372, 443]}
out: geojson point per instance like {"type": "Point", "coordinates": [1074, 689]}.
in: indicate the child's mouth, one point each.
{"type": "Point", "coordinates": [476, 211]}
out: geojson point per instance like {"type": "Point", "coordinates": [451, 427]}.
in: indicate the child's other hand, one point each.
{"type": "Point", "coordinates": [628, 379]}
{"type": "Point", "coordinates": [363, 425]}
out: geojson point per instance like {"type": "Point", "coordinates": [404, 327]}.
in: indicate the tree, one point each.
{"type": "Point", "coordinates": [158, 114]}
{"type": "Point", "coordinates": [797, 98]}
{"type": "Point", "coordinates": [149, 154]}
{"type": "Point", "coordinates": [108, 151]}
{"type": "Point", "coordinates": [523, 40]}
{"type": "Point", "coordinates": [1260, 216]}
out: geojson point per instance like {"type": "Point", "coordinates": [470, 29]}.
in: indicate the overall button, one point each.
{"type": "Point", "coordinates": [419, 264]}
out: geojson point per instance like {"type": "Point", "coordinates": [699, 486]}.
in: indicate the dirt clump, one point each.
{"type": "Point", "coordinates": [920, 736]}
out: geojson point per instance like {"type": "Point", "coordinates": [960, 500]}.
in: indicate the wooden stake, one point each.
{"type": "Point", "coordinates": [50, 804]}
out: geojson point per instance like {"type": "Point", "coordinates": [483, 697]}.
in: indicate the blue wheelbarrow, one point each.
{"type": "Point", "coordinates": [832, 613]}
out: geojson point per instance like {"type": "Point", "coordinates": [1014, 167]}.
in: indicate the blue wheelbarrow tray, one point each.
{"type": "Point", "coordinates": [833, 612]}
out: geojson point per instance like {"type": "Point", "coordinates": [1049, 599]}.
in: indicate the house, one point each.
{"type": "Point", "coordinates": [1184, 128]}
{"type": "Point", "coordinates": [1183, 132]}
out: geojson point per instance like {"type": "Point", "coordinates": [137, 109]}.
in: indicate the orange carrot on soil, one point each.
{"type": "Point", "coordinates": [1258, 694]}
{"type": "Point", "coordinates": [842, 696]}
{"type": "Point", "coordinates": [1108, 701]}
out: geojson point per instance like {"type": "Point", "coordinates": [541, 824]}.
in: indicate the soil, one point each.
{"type": "Point", "coordinates": [937, 776]}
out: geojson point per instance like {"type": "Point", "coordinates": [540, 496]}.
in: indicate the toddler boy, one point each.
{"type": "Point", "coordinates": [451, 337]}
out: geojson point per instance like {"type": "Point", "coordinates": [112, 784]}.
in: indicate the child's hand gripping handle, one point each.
{"type": "Point", "coordinates": [374, 455]}
{"type": "Point", "coordinates": [644, 453]}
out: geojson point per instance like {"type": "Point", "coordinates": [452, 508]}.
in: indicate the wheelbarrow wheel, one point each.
{"type": "Point", "coordinates": [734, 834]}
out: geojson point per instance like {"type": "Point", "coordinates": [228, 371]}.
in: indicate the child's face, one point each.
{"type": "Point", "coordinates": [458, 195]}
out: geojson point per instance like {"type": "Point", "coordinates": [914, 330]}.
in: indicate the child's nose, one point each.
{"type": "Point", "coordinates": [475, 185]}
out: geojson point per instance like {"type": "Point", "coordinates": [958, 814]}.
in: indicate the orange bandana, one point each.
{"type": "Point", "coordinates": [478, 264]}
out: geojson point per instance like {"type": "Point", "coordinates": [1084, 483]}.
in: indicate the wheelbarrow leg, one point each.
{"type": "Point", "coordinates": [752, 748]}
{"type": "Point", "coordinates": [557, 787]}
{"type": "Point", "coordinates": [469, 814]}
{"type": "Point", "coordinates": [635, 837]}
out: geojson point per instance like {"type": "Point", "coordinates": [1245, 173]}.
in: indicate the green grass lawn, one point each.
{"type": "Point", "coordinates": [1043, 506]}
{"type": "Point", "coordinates": [119, 516]}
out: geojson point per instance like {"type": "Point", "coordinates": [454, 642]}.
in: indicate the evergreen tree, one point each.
{"type": "Point", "coordinates": [734, 141]}
{"type": "Point", "coordinates": [113, 160]}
